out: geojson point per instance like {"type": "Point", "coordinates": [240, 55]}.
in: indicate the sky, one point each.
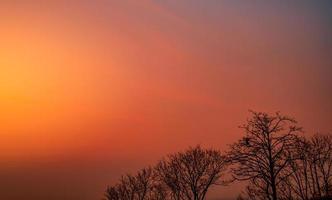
{"type": "Point", "coordinates": [90, 90]}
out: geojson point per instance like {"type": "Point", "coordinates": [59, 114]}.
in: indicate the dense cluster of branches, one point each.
{"type": "Point", "coordinates": [180, 176]}
{"type": "Point", "coordinates": [263, 155]}
{"type": "Point", "coordinates": [308, 174]}
{"type": "Point", "coordinates": [310, 169]}
{"type": "Point", "coordinates": [279, 163]}
{"type": "Point", "coordinates": [273, 157]}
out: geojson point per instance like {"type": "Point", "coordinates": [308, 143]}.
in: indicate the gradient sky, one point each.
{"type": "Point", "coordinates": [90, 90]}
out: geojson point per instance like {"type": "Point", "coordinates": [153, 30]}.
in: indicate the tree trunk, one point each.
{"type": "Point", "coordinates": [317, 181]}
{"type": "Point", "coordinates": [274, 190]}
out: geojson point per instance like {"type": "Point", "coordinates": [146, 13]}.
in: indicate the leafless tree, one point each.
{"type": "Point", "coordinates": [167, 174]}
{"type": "Point", "coordinates": [310, 169]}
{"type": "Point", "coordinates": [321, 164]}
{"type": "Point", "coordinates": [300, 179]}
{"type": "Point", "coordinates": [112, 193]}
{"type": "Point", "coordinates": [277, 163]}
{"type": "Point", "coordinates": [264, 153]}
{"type": "Point", "coordinates": [138, 187]}
{"type": "Point", "coordinates": [189, 175]}
{"type": "Point", "coordinates": [158, 192]}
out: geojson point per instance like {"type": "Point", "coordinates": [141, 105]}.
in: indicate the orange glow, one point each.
{"type": "Point", "coordinates": [110, 86]}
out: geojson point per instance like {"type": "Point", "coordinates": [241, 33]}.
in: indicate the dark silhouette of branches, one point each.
{"type": "Point", "coordinates": [311, 171]}
{"type": "Point", "coordinates": [186, 175]}
{"type": "Point", "coordinates": [272, 157]}
{"type": "Point", "coordinates": [321, 154]}
{"type": "Point", "coordinates": [137, 187]}
{"type": "Point", "coordinates": [264, 153]}
{"type": "Point", "coordinates": [189, 174]}
{"type": "Point", "coordinates": [299, 180]}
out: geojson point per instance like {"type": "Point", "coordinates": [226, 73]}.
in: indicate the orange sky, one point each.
{"type": "Point", "coordinates": [92, 89]}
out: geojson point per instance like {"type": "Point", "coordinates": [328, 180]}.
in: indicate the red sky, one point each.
{"type": "Point", "coordinates": [90, 90]}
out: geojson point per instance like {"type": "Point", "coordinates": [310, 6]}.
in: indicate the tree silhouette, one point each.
{"type": "Point", "coordinates": [189, 174]}
{"type": "Point", "coordinates": [137, 187]}
{"type": "Point", "coordinates": [264, 153]}
{"type": "Point", "coordinates": [311, 172]}
{"type": "Point", "coordinates": [321, 164]}
{"type": "Point", "coordinates": [277, 163]}
{"type": "Point", "coordinates": [299, 180]}
{"type": "Point", "coordinates": [182, 176]}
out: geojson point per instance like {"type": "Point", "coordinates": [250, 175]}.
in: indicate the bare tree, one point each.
{"type": "Point", "coordinates": [189, 175]}
{"type": "Point", "coordinates": [111, 193]}
{"type": "Point", "coordinates": [277, 163]}
{"type": "Point", "coordinates": [138, 187]}
{"type": "Point", "coordinates": [167, 174]}
{"type": "Point", "coordinates": [264, 153]}
{"type": "Point", "coordinates": [158, 192]}
{"type": "Point", "coordinates": [321, 164]}
{"type": "Point", "coordinates": [299, 179]}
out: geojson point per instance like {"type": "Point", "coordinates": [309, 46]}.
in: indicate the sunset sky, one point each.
{"type": "Point", "coordinates": [90, 90]}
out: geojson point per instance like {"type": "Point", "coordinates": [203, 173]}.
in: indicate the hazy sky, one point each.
{"type": "Point", "coordinates": [90, 90]}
